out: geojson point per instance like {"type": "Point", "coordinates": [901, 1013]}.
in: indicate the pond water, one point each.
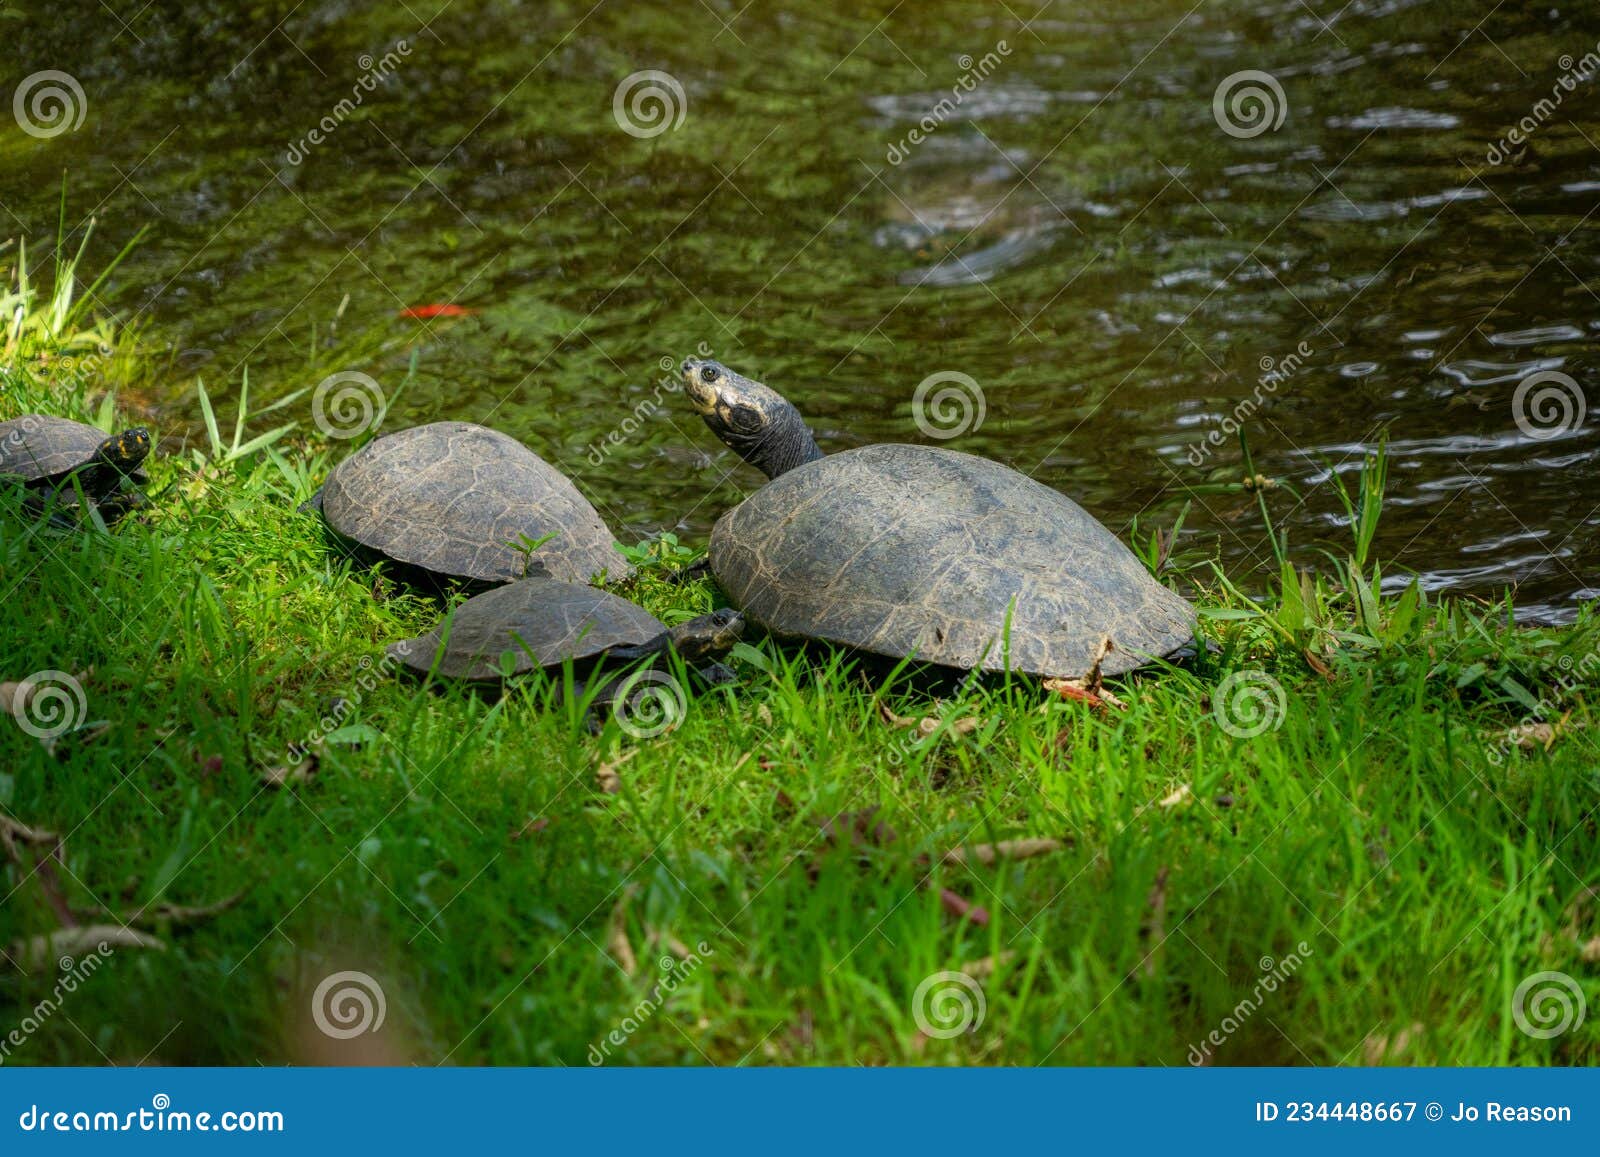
{"type": "Point", "coordinates": [1084, 208]}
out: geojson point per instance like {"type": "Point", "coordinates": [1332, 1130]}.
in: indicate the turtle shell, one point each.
{"type": "Point", "coordinates": [958, 560]}
{"type": "Point", "coordinates": [539, 621]}
{"type": "Point", "coordinates": [38, 448]}
{"type": "Point", "coordinates": [451, 498]}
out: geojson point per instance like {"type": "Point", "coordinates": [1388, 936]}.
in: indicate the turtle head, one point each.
{"type": "Point", "coordinates": [707, 636]}
{"type": "Point", "coordinates": [757, 422]}
{"type": "Point", "coordinates": [126, 451]}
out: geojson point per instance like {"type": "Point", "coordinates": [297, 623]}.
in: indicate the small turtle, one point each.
{"type": "Point", "coordinates": [540, 623]}
{"type": "Point", "coordinates": [456, 503]}
{"type": "Point", "coordinates": [56, 457]}
{"type": "Point", "coordinates": [917, 551]}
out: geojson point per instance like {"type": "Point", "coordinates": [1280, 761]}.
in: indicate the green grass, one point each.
{"type": "Point", "coordinates": [464, 858]}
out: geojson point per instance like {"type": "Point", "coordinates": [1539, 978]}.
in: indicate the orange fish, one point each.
{"type": "Point", "coordinates": [425, 312]}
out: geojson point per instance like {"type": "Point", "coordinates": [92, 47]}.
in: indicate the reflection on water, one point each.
{"type": "Point", "coordinates": [1115, 256]}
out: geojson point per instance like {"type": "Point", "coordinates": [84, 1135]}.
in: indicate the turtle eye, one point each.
{"type": "Point", "coordinates": [708, 375]}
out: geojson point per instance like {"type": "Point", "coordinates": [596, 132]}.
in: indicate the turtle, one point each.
{"type": "Point", "coordinates": [55, 458]}
{"type": "Point", "coordinates": [924, 552]}
{"type": "Point", "coordinates": [456, 504]}
{"type": "Point", "coordinates": [538, 623]}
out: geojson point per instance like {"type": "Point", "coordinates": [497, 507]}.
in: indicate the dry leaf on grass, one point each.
{"type": "Point", "coordinates": [961, 907]}
{"type": "Point", "coordinates": [658, 939]}
{"type": "Point", "coordinates": [617, 933]}
{"type": "Point", "coordinates": [1074, 690]}
{"type": "Point", "coordinates": [1377, 1048]}
{"type": "Point", "coordinates": [17, 697]}
{"type": "Point", "coordinates": [862, 830]}
{"type": "Point", "coordinates": [1090, 690]}
{"type": "Point", "coordinates": [1178, 795]}
{"type": "Point", "coordinates": [42, 704]}
{"type": "Point", "coordinates": [532, 828]}
{"type": "Point", "coordinates": [1314, 661]}
{"type": "Point", "coordinates": [1543, 735]}
{"type": "Point", "coordinates": [857, 829]}
{"type": "Point", "coordinates": [985, 968]}
{"type": "Point", "coordinates": [1004, 850]}
{"type": "Point", "coordinates": [1535, 736]}
{"type": "Point", "coordinates": [804, 1030]}
{"type": "Point", "coordinates": [14, 834]}
{"type": "Point", "coordinates": [1155, 925]}
{"type": "Point", "coordinates": [1526, 736]}
{"type": "Point", "coordinates": [43, 953]}
{"type": "Point", "coordinates": [606, 777]}
{"type": "Point", "coordinates": [926, 725]}
{"type": "Point", "coordinates": [888, 716]}
{"type": "Point", "coordinates": [285, 776]}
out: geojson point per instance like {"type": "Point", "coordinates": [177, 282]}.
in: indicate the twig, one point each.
{"type": "Point", "coordinates": [176, 916]}
{"type": "Point", "coordinates": [1004, 850]}
{"type": "Point", "coordinates": [14, 835]}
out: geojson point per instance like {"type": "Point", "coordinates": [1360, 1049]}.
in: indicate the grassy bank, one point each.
{"type": "Point", "coordinates": [1406, 836]}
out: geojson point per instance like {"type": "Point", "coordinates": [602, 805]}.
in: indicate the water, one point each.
{"type": "Point", "coordinates": [1077, 234]}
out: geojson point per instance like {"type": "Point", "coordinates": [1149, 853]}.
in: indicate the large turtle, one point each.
{"type": "Point", "coordinates": [56, 457]}
{"type": "Point", "coordinates": [913, 550]}
{"type": "Point", "coordinates": [540, 623]}
{"type": "Point", "coordinates": [457, 503]}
